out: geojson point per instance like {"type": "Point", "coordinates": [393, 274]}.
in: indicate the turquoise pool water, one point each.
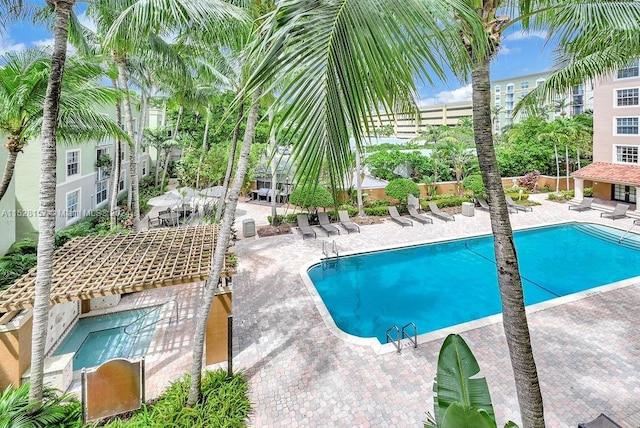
{"type": "Point", "coordinates": [444, 284]}
{"type": "Point", "coordinates": [101, 338]}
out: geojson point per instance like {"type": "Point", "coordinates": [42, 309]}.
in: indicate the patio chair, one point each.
{"type": "Point", "coordinates": [620, 211]}
{"type": "Point", "coordinates": [435, 211]}
{"type": "Point", "coordinates": [303, 225]}
{"type": "Point", "coordinates": [418, 217]}
{"type": "Point", "coordinates": [154, 222]}
{"type": "Point", "coordinates": [395, 216]}
{"type": "Point", "coordinates": [346, 222]}
{"type": "Point", "coordinates": [414, 202]}
{"type": "Point", "coordinates": [582, 206]}
{"type": "Point", "coordinates": [325, 224]}
{"type": "Point", "coordinates": [512, 204]}
{"type": "Point", "coordinates": [602, 421]}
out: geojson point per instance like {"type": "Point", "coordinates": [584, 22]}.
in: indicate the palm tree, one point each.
{"type": "Point", "coordinates": [47, 197]}
{"type": "Point", "coordinates": [23, 83]}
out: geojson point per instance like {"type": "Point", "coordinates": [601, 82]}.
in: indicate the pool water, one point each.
{"type": "Point", "coordinates": [101, 338]}
{"type": "Point", "coordinates": [444, 284]}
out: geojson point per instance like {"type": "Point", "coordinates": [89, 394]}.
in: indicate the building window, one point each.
{"type": "Point", "coordinates": [73, 162]}
{"type": "Point", "coordinates": [627, 154]}
{"type": "Point", "coordinates": [510, 88]}
{"type": "Point", "coordinates": [497, 89]}
{"type": "Point", "coordinates": [121, 182]}
{"type": "Point", "coordinates": [101, 191]}
{"type": "Point", "coordinates": [144, 168]}
{"type": "Point", "coordinates": [73, 205]}
{"type": "Point", "coordinates": [629, 71]}
{"type": "Point", "coordinates": [627, 125]}
{"type": "Point", "coordinates": [627, 97]}
{"type": "Point", "coordinates": [524, 85]}
{"type": "Point", "coordinates": [539, 82]}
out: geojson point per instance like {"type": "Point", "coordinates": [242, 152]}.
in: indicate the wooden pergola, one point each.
{"type": "Point", "coordinates": [95, 266]}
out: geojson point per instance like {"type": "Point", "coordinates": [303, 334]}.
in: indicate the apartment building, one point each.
{"type": "Point", "coordinates": [84, 184]}
{"type": "Point", "coordinates": [615, 172]}
{"type": "Point", "coordinates": [508, 92]}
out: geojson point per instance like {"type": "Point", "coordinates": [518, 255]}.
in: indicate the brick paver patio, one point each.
{"type": "Point", "coordinates": [301, 374]}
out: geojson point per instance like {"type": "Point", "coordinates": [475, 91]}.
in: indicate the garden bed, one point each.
{"type": "Point", "coordinates": [266, 231]}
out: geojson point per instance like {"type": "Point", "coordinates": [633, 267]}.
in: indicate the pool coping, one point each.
{"type": "Point", "coordinates": [380, 348]}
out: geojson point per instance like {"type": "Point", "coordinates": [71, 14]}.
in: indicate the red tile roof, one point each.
{"type": "Point", "coordinates": [610, 173]}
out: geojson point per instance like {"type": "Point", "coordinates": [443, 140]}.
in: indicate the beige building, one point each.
{"type": "Point", "coordinates": [406, 126]}
{"type": "Point", "coordinates": [615, 173]}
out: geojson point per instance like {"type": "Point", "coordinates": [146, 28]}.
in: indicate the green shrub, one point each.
{"type": "Point", "coordinates": [400, 188]}
{"type": "Point", "coordinates": [377, 211]}
{"type": "Point", "coordinates": [475, 184]}
{"type": "Point", "coordinates": [352, 211]}
{"type": "Point", "coordinates": [283, 219]}
{"type": "Point", "coordinates": [25, 246]}
{"type": "Point", "coordinates": [13, 267]}
{"type": "Point", "coordinates": [588, 192]}
{"type": "Point", "coordinates": [444, 201]}
{"type": "Point", "coordinates": [309, 197]}
{"type": "Point", "coordinates": [377, 203]}
{"type": "Point", "coordinates": [517, 196]}
{"type": "Point", "coordinates": [552, 197]}
{"type": "Point", "coordinates": [224, 404]}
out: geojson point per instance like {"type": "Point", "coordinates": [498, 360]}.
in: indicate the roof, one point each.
{"type": "Point", "coordinates": [94, 266]}
{"type": "Point", "coordinates": [610, 173]}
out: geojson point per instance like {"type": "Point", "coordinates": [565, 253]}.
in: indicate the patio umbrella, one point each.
{"type": "Point", "coordinates": [185, 194]}
{"type": "Point", "coordinates": [165, 200]}
{"type": "Point", "coordinates": [211, 192]}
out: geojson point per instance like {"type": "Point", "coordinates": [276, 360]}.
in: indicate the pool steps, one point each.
{"type": "Point", "coordinates": [623, 239]}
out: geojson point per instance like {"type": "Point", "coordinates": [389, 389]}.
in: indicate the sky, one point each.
{"type": "Point", "coordinates": [521, 53]}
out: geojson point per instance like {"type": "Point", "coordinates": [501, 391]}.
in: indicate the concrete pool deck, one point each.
{"type": "Point", "coordinates": [301, 374]}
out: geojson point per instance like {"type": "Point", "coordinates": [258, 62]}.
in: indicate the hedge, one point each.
{"type": "Point", "coordinates": [444, 201]}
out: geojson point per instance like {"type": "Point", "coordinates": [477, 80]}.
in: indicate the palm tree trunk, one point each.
{"type": "Point", "coordinates": [274, 169]}
{"type": "Point", "coordinates": [513, 310]}
{"type": "Point", "coordinates": [9, 167]}
{"type": "Point", "coordinates": [359, 183]}
{"type": "Point", "coordinates": [133, 153]}
{"type": "Point", "coordinates": [167, 155]}
{"type": "Point", "coordinates": [555, 149]}
{"type": "Point", "coordinates": [117, 167]}
{"type": "Point", "coordinates": [230, 161]}
{"type": "Point", "coordinates": [222, 242]}
{"type": "Point", "coordinates": [566, 163]}
{"type": "Point", "coordinates": [157, 168]}
{"type": "Point", "coordinates": [205, 147]}
{"type": "Point", "coordinates": [47, 196]}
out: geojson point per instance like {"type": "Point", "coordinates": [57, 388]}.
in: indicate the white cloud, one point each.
{"type": "Point", "coordinates": [449, 97]}
{"type": "Point", "coordinates": [8, 45]}
{"type": "Point", "coordinates": [87, 22]}
{"type": "Point", "coordinates": [524, 35]}
{"type": "Point", "coordinates": [48, 45]}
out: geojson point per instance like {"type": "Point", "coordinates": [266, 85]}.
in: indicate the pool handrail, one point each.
{"type": "Point", "coordinates": [397, 341]}
{"type": "Point", "coordinates": [157, 308]}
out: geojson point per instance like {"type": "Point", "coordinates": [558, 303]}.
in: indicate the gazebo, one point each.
{"type": "Point", "coordinates": [100, 266]}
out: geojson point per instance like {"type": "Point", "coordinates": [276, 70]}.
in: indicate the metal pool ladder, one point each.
{"type": "Point", "coordinates": [401, 334]}
{"type": "Point", "coordinates": [327, 258]}
{"type": "Point", "coordinates": [635, 223]}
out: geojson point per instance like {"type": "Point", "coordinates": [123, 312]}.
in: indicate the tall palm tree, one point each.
{"type": "Point", "coordinates": [47, 197]}
{"type": "Point", "coordinates": [23, 84]}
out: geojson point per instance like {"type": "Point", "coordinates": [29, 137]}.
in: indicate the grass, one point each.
{"type": "Point", "coordinates": [224, 404]}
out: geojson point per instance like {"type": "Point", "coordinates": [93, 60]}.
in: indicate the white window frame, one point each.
{"type": "Point", "coordinates": [77, 162]}
{"type": "Point", "coordinates": [104, 183]}
{"type": "Point", "coordinates": [630, 146]}
{"type": "Point", "coordinates": [524, 84]}
{"type": "Point", "coordinates": [635, 64]}
{"type": "Point", "coordinates": [615, 97]}
{"type": "Point", "coordinates": [76, 217]}
{"type": "Point", "coordinates": [510, 88]}
{"type": "Point", "coordinates": [615, 126]}
{"type": "Point", "coordinates": [497, 89]}
{"type": "Point", "coordinates": [540, 81]}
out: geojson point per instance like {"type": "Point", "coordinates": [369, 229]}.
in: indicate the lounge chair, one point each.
{"type": "Point", "coordinates": [582, 206]}
{"type": "Point", "coordinates": [484, 205]}
{"type": "Point", "coordinates": [414, 202]}
{"type": "Point", "coordinates": [325, 224]}
{"type": "Point", "coordinates": [303, 225]}
{"type": "Point", "coordinates": [418, 217]}
{"type": "Point", "coordinates": [435, 211]}
{"type": "Point", "coordinates": [346, 222]}
{"type": "Point", "coordinates": [512, 204]}
{"type": "Point", "coordinates": [395, 216]}
{"type": "Point", "coordinates": [620, 211]}
{"type": "Point", "coordinates": [602, 421]}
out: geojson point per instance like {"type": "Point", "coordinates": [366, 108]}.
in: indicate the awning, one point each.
{"type": "Point", "coordinates": [95, 266]}
{"type": "Point", "coordinates": [610, 173]}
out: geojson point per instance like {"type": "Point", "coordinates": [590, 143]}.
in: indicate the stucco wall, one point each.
{"type": "Point", "coordinates": [61, 318]}
{"type": "Point", "coordinates": [7, 210]}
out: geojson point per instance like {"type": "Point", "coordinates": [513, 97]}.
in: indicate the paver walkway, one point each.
{"type": "Point", "coordinates": [587, 351]}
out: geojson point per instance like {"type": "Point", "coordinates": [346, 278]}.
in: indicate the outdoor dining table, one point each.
{"type": "Point", "coordinates": [170, 219]}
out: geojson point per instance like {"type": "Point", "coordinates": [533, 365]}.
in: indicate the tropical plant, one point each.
{"type": "Point", "coordinates": [54, 410]}
{"type": "Point", "coordinates": [462, 400]}
{"type": "Point", "coordinates": [474, 183]}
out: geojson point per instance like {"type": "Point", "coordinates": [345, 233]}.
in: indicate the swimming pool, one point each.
{"type": "Point", "coordinates": [449, 283]}
{"type": "Point", "coordinates": [100, 338]}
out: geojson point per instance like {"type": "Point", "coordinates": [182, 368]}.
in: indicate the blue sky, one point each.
{"type": "Point", "coordinates": [521, 53]}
